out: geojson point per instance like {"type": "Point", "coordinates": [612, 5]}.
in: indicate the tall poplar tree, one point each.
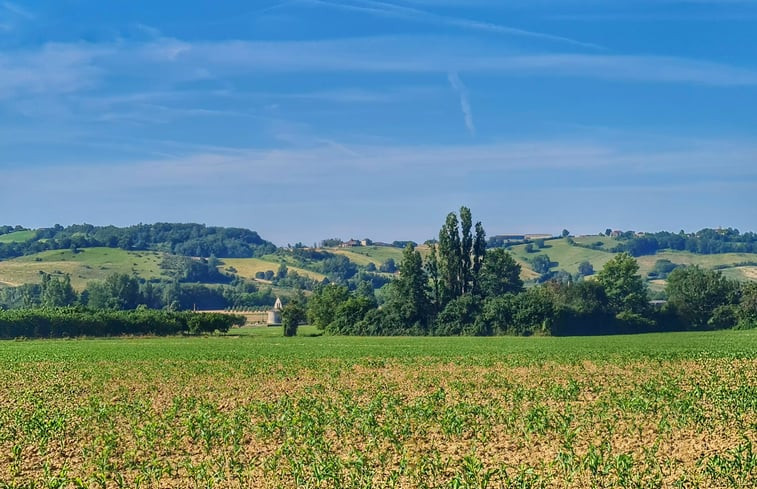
{"type": "Point", "coordinates": [461, 255]}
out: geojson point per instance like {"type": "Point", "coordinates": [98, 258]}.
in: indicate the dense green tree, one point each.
{"type": "Point", "coordinates": [294, 313]}
{"type": "Point", "coordinates": [410, 305]}
{"type": "Point", "coordinates": [747, 310]}
{"type": "Point", "coordinates": [534, 312]}
{"type": "Point", "coordinates": [697, 293]}
{"type": "Point", "coordinates": [450, 259]}
{"type": "Point", "coordinates": [388, 266]}
{"type": "Point", "coordinates": [324, 304]}
{"type": "Point", "coordinates": [541, 264]}
{"type": "Point", "coordinates": [57, 292]}
{"type": "Point", "coordinates": [497, 315]}
{"type": "Point", "coordinates": [459, 317]}
{"type": "Point", "coordinates": [432, 271]}
{"type": "Point", "coordinates": [623, 285]}
{"type": "Point", "coordinates": [585, 269]}
{"type": "Point", "coordinates": [500, 274]}
{"type": "Point", "coordinates": [350, 313]}
{"type": "Point", "coordinates": [460, 255]}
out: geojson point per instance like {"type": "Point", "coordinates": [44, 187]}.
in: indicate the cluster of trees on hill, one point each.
{"type": "Point", "coordinates": [181, 239]}
{"type": "Point", "coordinates": [124, 292]}
{"type": "Point", "coordinates": [461, 288]}
{"type": "Point", "coordinates": [705, 242]}
{"type": "Point", "coordinates": [79, 321]}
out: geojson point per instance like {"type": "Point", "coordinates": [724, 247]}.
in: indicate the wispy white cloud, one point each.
{"type": "Point", "coordinates": [17, 10]}
{"type": "Point", "coordinates": [410, 13]}
{"type": "Point", "coordinates": [53, 68]}
{"type": "Point", "coordinates": [180, 187]}
{"type": "Point", "coordinates": [462, 91]}
{"type": "Point", "coordinates": [71, 67]}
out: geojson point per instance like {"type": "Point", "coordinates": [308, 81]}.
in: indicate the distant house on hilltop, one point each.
{"type": "Point", "coordinates": [350, 244]}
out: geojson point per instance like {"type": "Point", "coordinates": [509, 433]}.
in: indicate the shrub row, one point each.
{"type": "Point", "coordinates": [77, 321]}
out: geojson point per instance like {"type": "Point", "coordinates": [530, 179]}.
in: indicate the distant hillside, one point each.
{"type": "Point", "coordinates": [567, 254]}
{"type": "Point", "coordinates": [180, 239]}
{"type": "Point", "coordinates": [83, 266]}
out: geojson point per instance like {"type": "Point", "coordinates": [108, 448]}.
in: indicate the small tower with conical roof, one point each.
{"type": "Point", "coordinates": [274, 315]}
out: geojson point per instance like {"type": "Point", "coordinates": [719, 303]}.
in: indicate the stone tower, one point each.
{"type": "Point", "coordinates": [274, 315]}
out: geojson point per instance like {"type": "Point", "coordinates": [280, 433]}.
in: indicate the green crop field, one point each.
{"type": "Point", "coordinates": [256, 410]}
{"type": "Point", "coordinates": [17, 236]}
{"type": "Point", "coordinates": [85, 265]}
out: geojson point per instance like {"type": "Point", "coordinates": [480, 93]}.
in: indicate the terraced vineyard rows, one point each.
{"type": "Point", "coordinates": [667, 410]}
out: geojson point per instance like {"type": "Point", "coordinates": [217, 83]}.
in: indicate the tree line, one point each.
{"type": "Point", "coordinates": [79, 321]}
{"type": "Point", "coordinates": [705, 242]}
{"type": "Point", "coordinates": [461, 288]}
{"type": "Point", "coordinates": [124, 292]}
{"type": "Point", "coordinates": [177, 238]}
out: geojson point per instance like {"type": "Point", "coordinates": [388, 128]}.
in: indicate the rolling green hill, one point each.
{"type": "Point", "coordinates": [18, 236]}
{"type": "Point", "coordinates": [568, 257]}
{"type": "Point", "coordinates": [363, 255]}
{"type": "Point", "coordinates": [85, 265]}
{"type": "Point", "coordinates": [248, 267]}
{"type": "Point", "coordinates": [98, 262]}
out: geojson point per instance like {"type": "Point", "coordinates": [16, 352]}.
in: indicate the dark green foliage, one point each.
{"type": "Point", "coordinates": [410, 298]}
{"type": "Point", "coordinates": [697, 294]}
{"type": "Point", "coordinates": [338, 268]}
{"type": "Point", "coordinates": [324, 303]}
{"type": "Point", "coordinates": [403, 244]}
{"type": "Point", "coordinates": [349, 313]}
{"type": "Point", "coordinates": [747, 310]}
{"type": "Point", "coordinates": [292, 315]}
{"type": "Point", "coordinates": [541, 264]}
{"type": "Point", "coordinates": [182, 239]}
{"type": "Point", "coordinates": [388, 266]}
{"type": "Point", "coordinates": [186, 269]}
{"type": "Point", "coordinates": [331, 242]}
{"type": "Point", "coordinates": [118, 291]}
{"type": "Point", "coordinates": [56, 292]}
{"type": "Point", "coordinates": [585, 269]}
{"type": "Point", "coordinates": [662, 269]}
{"type": "Point", "coordinates": [459, 317]}
{"type": "Point", "coordinates": [73, 322]}
{"type": "Point", "coordinates": [500, 274]}
{"type": "Point", "coordinates": [460, 256]}
{"type": "Point", "coordinates": [705, 241]}
{"type": "Point", "coordinates": [623, 285]}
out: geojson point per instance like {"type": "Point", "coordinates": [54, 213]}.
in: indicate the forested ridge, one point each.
{"type": "Point", "coordinates": [705, 241]}
{"type": "Point", "coordinates": [178, 238]}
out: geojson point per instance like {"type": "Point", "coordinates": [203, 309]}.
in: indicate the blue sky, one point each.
{"type": "Point", "coordinates": [308, 119]}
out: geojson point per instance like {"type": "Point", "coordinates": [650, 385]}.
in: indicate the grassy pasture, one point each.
{"type": "Point", "coordinates": [248, 267]}
{"type": "Point", "coordinates": [17, 236]}
{"type": "Point", "coordinates": [567, 256]}
{"type": "Point", "coordinates": [253, 409]}
{"type": "Point", "coordinates": [85, 265]}
{"type": "Point", "coordinates": [741, 273]}
{"type": "Point", "coordinates": [363, 255]}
